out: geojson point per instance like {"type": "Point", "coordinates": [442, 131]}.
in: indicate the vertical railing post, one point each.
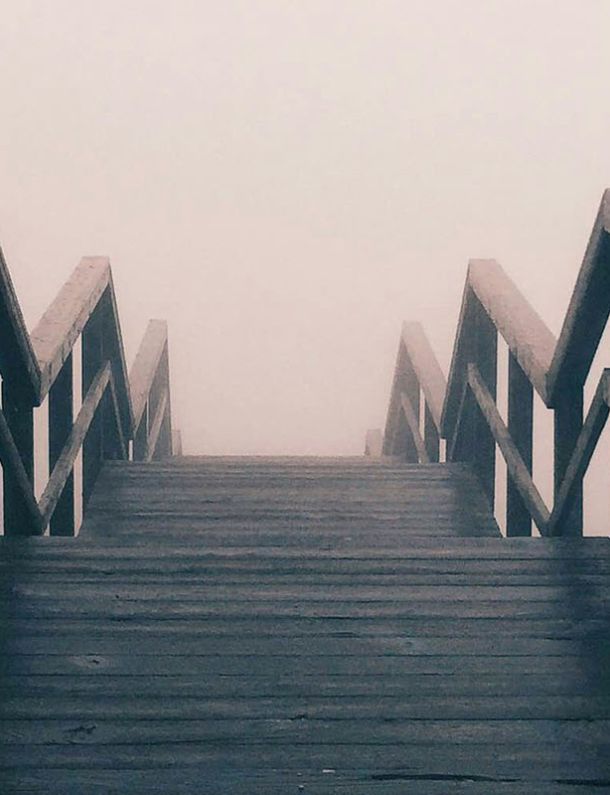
{"type": "Point", "coordinates": [164, 442]}
{"type": "Point", "coordinates": [398, 439]}
{"type": "Point", "coordinates": [19, 413]}
{"type": "Point", "coordinates": [568, 423]}
{"type": "Point", "coordinates": [521, 428]}
{"type": "Point", "coordinates": [464, 430]}
{"type": "Point", "coordinates": [93, 357]}
{"type": "Point", "coordinates": [61, 418]}
{"type": "Point", "coordinates": [431, 436]}
{"type": "Point", "coordinates": [486, 359]}
{"type": "Point", "coordinates": [412, 391]}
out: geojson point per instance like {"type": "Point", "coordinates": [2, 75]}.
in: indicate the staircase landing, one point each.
{"type": "Point", "coordinates": [285, 625]}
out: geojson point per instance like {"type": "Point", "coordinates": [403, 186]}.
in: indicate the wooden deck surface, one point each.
{"type": "Point", "coordinates": [302, 626]}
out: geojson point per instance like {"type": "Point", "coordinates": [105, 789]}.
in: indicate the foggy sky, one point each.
{"type": "Point", "coordinates": [286, 182]}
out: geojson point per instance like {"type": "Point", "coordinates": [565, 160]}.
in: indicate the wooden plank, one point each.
{"type": "Point", "coordinates": [361, 691]}
{"type": "Point", "coordinates": [278, 650]}
{"type": "Point", "coordinates": [567, 627]}
{"type": "Point", "coordinates": [302, 728]}
{"type": "Point", "coordinates": [314, 591]}
{"type": "Point", "coordinates": [183, 576]}
{"type": "Point", "coordinates": [166, 609]}
{"type": "Point", "coordinates": [172, 665]}
{"type": "Point", "coordinates": [420, 551]}
{"type": "Point", "coordinates": [560, 762]}
{"type": "Point", "coordinates": [220, 780]}
{"type": "Point", "coordinates": [151, 717]}
{"type": "Point", "coordinates": [519, 472]}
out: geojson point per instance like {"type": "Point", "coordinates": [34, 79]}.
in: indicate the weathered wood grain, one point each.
{"type": "Point", "coordinates": [227, 625]}
{"type": "Point", "coordinates": [277, 782]}
{"type": "Point", "coordinates": [58, 329]}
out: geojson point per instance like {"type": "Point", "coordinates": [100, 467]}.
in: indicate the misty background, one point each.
{"type": "Point", "coordinates": [286, 181]}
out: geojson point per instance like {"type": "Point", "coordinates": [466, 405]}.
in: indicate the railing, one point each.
{"type": "Point", "coordinates": [470, 421]}
{"type": "Point", "coordinates": [413, 426]}
{"type": "Point", "coordinates": [41, 365]}
{"type": "Point", "coordinates": [149, 379]}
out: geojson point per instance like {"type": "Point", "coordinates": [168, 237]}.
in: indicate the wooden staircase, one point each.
{"type": "Point", "coordinates": [302, 625]}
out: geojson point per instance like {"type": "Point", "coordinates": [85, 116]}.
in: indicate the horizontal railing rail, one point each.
{"type": "Point", "coordinates": [40, 366]}
{"type": "Point", "coordinates": [470, 420]}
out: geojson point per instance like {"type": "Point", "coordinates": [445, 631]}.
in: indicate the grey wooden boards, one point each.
{"type": "Point", "coordinates": [276, 626]}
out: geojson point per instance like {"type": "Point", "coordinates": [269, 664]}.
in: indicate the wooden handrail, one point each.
{"type": "Point", "coordinates": [18, 362]}
{"type": "Point", "coordinates": [37, 366]}
{"type": "Point", "coordinates": [557, 369]}
{"type": "Point", "coordinates": [149, 379]}
{"type": "Point", "coordinates": [587, 312]}
{"type": "Point", "coordinates": [426, 366]}
{"type": "Point", "coordinates": [417, 373]}
{"type": "Point", "coordinates": [528, 338]}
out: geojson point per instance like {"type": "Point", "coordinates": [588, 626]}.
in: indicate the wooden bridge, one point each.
{"type": "Point", "coordinates": [278, 625]}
